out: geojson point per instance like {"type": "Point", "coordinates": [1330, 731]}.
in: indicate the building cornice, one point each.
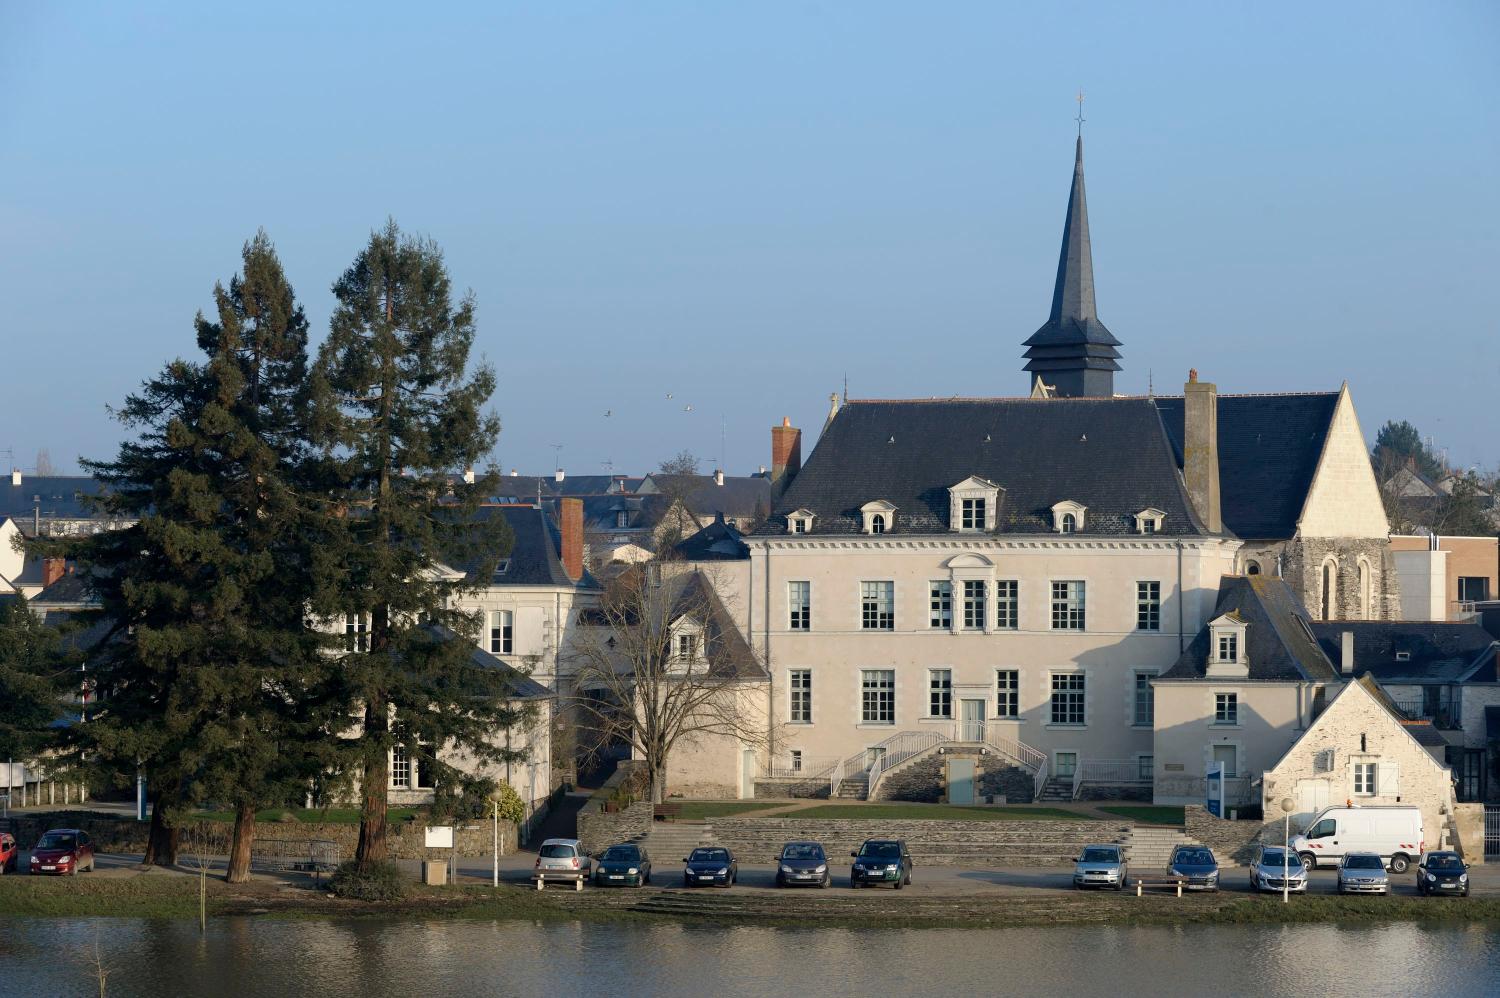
{"type": "Point", "coordinates": [980, 542]}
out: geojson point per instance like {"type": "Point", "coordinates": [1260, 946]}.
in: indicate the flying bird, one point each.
{"type": "Point", "coordinates": [687, 408]}
{"type": "Point", "coordinates": [609, 412]}
{"type": "Point", "coordinates": [669, 394]}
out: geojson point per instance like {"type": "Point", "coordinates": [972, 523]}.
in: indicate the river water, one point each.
{"type": "Point", "coordinates": [406, 959]}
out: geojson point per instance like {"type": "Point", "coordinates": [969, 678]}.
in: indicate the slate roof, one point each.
{"type": "Point", "coordinates": [71, 590]}
{"type": "Point", "coordinates": [1108, 454]}
{"type": "Point", "coordinates": [1269, 446]}
{"type": "Point", "coordinates": [1278, 641]}
{"type": "Point", "coordinates": [1424, 732]}
{"type": "Point", "coordinates": [1440, 651]}
{"type": "Point", "coordinates": [59, 496]}
{"type": "Point", "coordinates": [642, 513]}
{"type": "Point", "coordinates": [524, 488]}
{"type": "Point", "coordinates": [535, 556]}
{"type": "Point", "coordinates": [719, 541]}
{"type": "Point", "coordinates": [739, 496]}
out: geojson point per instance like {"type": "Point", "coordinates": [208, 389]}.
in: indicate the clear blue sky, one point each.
{"type": "Point", "coordinates": [741, 203]}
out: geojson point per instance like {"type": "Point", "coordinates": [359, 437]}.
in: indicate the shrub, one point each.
{"type": "Point", "coordinates": [382, 882]}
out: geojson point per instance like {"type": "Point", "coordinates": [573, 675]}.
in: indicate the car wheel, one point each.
{"type": "Point", "coordinates": [1309, 861]}
{"type": "Point", "coordinates": [1399, 863]}
{"type": "Point", "coordinates": [827, 881]}
{"type": "Point", "coordinates": [779, 881]}
{"type": "Point", "coordinates": [899, 885]}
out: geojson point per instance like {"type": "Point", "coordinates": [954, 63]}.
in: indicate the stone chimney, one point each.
{"type": "Point", "coordinates": [1200, 451]}
{"type": "Point", "coordinates": [469, 475]}
{"type": "Point", "coordinates": [718, 476]}
{"type": "Point", "coordinates": [52, 570]}
{"type": "Point", "coordinates": [1346, 652]}
{"type": "Point", "coordinates": [572, 537]}
{"type": "Point", "coordinates": [15, 477]}
{"type": "Point", "coordinates": [786, 450]}
{"type": "Point", "coordinates": [558, 475]}
{"type": "Point", "coordinates": [514, 473]}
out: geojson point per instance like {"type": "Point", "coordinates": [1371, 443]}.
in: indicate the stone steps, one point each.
{"type": "Point", "coordinates": [670, 841]}
{"type": "Point", "coordinates": [1151, 847]}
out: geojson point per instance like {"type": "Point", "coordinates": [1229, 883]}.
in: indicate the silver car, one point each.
{"type": "Point", "coordinates": [564, 860]}
{"type": "Point", "coordinates": [1100, 866]}
{"type": "Point", "coordinates": [1363, 873]}
{"type": "Point", "coordinates": [1276, 868]}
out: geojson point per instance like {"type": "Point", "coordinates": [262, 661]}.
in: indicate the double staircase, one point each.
{"type": "Point", "coordinates": [1057, 789]}
{"type": "Point", "coordinates": [859, 776]}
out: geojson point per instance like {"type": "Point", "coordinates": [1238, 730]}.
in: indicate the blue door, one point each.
{"type": "Point", "coordinates": [960, 781]}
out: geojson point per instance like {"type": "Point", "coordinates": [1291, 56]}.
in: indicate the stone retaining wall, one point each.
{"type": "Point", "coordinates": [1233, 842]}
{"type": "Point", "coordinates": [778, 789]}
{"type": "Point", "coordinates": [925, 780]}
{"type": "Point", "coordinates": [599, 829]}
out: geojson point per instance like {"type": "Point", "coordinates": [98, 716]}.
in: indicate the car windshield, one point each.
{"type": "Point", "coordinates": [881, 850]}
{"type": "Point", "coordinates": [802, 850]}
{"type": "Point", "coordinates": [709, 856]}
{"type": "Point", "coordinates": [557, 851]}
{"type": "Point", "coordinates": [1449, 862]}
{"type": "Point", "coordinates": [1194, 857]}
{"type": "Point", "coordinates": [1100, 856]}
{"type": "Point", "coordinates": [621, 854]}
{"type": "Point", "coordinates": [1278, 857]}
{"type": "Point", "coordinates": [1363, 863]}
{"type": "Point", "coordinates": [58, 840]}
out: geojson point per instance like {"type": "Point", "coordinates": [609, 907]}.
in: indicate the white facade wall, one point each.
{"type": "Point", "coordinates": [1424, 578]}
{"type": "Point", "coordinates": [1270, 717]}
{"type": "Point", "coordinates": [1344, 499]}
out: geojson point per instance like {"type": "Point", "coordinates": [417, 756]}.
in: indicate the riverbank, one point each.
{"type": "Point", "coordinates": [168, 896]}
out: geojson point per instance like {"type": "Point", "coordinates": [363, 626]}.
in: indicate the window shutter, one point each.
{"type": "Point", "coordinates": [1387, 784]}
{"type": "Point", "coordinates": [528, 631]}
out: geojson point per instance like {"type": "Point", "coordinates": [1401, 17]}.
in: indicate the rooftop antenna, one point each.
{"type": "Point", "coordinates": [1080, 119]}
{"type": "Point", "coordinates": [722, 448]}
{"type": "Point", "coordinates": [556, 456]}
{"type": "Point", "coordinates": [846, 387]}
{"type": "Point", "coordinates": [608, 466]}
{"type": "Point", "coordinates": [1150, 384]}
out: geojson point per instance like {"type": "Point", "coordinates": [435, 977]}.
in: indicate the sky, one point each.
{"type": "Point", "coordinates": [685, 221]}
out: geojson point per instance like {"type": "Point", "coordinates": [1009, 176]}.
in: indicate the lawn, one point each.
{"type": "Point", "coordinates": [333, 815]}
{"type": "Point", "coordinates": [1147, 814]}
{"type": "Point", "coordinates": [697, 810]}
{"type": "Point", "coordinates": [935, 812]}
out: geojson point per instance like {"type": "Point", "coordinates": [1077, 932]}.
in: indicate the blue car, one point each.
{"type": "Point", "coordinates": [710, 866]}
{"type": "Point", "coordinates": [625, 865]}
{"type": "Point", "coordinates": [1195, 865]}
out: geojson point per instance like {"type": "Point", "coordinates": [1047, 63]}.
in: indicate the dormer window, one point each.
{"type": "Point", "coordinates": [1068, 517]}
{"type": "Point", "coordinates": [1226, 649]}
{"type": "Point", "coordinates": [622, 519]}
{"type": "Point", "coordinates": [1229, 647]}
{"type": "Point", "coordinates": [1148, 521]}
{"type": "Point", "coordinates": [973, 505]}
{"type": "Point", "coordinates": [879, 516]}
{"type": "Point", "coordinates": [799, 522]}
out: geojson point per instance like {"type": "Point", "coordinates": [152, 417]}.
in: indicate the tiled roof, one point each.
{"type": "Point", "coordinates": [1436, 651]}
{"type": "Point", "coordinates": [1269, 446]}
{"type": "Point", "coordinates": [1108, 454]}
{"type": "Point", "coordinates": [1278, 642]}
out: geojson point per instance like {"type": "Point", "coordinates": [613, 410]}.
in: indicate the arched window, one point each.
{"type": "Point", "coordinates": [1252, 568]}
{"type": "Point", "coordinates": [877, 524]}
{"type": "Point", "coordinates": [1069, 523]}
{"type": "Point", "coordinates": [1365, 593]}
{"type": "Point", "coordinates": [1330, 600]}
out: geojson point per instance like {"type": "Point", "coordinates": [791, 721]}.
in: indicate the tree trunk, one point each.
{"type": "Point", "coordinates": [239, 847]}
{"type": "Point", "coordinates": [372, 845]}
{"type": "Point", "coordinates": [162, 842]}
{"type": "Point", "coordinates": [658, 783]}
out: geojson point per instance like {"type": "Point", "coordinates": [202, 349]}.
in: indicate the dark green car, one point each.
{"type": "Point", "coordinates": [625, 865]}
{"type": "Point", "coordinates": [881, 861]}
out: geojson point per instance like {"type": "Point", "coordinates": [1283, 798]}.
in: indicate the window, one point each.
{"type": "Point", "coordinates": [941, 605]}
{"type": "Point", "coordinates": [799, 526]}
{"type": "Point", "coordinates": [356, 632]}
{"type": "Point", "coordinates": [1007, 693]}
{"type": "Point", "coordinates": [877, 606]}
{"type": "Point", "coordinates": [877, 523]}
{"type": "Point", "coordinates": [687, 647]}
{"type": "Point", "coordinates": [974, 603]}
{"type": "Point", "coordinates": [1252, 568]}
{"type": "Point", "coordinates": [799, 600]}
{"type": "Point", "coordinates": [1323, 829]}
{"type": "Point", "coordinates": [1473, 588]}
{"type": "Point", "coordinates": [1068, 698]}
{"type": "Point", "coordinates": [1148, 606]}
{"type": "Point", "coordinates": [1067, 606]}
{"type": "Point", "coordinates": [1145, 766]}
{"type": "Point", "coordinates": [801, 684]}
{"type": "Point", "coordinates": [972, 514]}
{"type": "Point", "coordinates": [501, 632]}
{"type": "Point", "coordinates": [1226, 708]}
{"type": "Point", "coordinates": [1330, 606]}
{"type": "Point", "coordinates": [1229, 647]}
{"type": "Point", "coordinates": [400, 768]}
{"type": "Point", "coordinates": [622, 519]}
{"type": "Point", "coordinates": [1365, 594]}
{"type": "Point", "coordinates": [800, 522]}
{"type": "Point", "coordinates": [877, 696]}
{"type": "Point", "coordinates": [502, 566]}
{"type": "Point", "coordinates": [1148, 526]}
{"type": "Point", "coordinates": [1068, 525]}
{"type": "Point", "coordinates": [1148, 521]}
{"type": "Point", "coordinates": [1364, 779]}
{"type": "Point", "coordinates": [1007, 604]}
{"type": "Point", "coordinates": [939, 693]}
{"type": "Point", "coordinates": [1145, 700]}
{"type": "Point", "coordinates": [796, 760]}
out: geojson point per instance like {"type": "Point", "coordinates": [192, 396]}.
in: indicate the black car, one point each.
{"type": "Point", "coordinates": [710, 865]}
{"type": "Point", "coordinates": [625, 865]}
{"type": "Point", "coordinates": [802, 863]}
{"type": "Point", "coordinates": [1197, 866]}
{"type": "Point", "coordinates": [881, 861]}
{"type": "Point", "coordinates": [1442, 873]}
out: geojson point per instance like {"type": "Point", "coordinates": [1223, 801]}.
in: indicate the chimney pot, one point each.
{"type": "Point", "coordinates": [513, 473]}
{"type": "Point", "coordinates": [469, 475]}
{"type": "Point", "coordinates": [15, 477]}
{"type": "Point", "coordinates": [1200, 457]}
{"type": "Point", "coordinates": [572, 538]}
{"type": "Point", "coordinates": [1346, 652]}
{"type": "Point", "coordinates": [558, 476]}
{"type": "Point", "coordinates": [718, 476]}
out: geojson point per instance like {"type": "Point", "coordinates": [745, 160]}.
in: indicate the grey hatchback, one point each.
{"type": "Point", "coordinates": [802, 863]}
{"type": "Point", "coordinates": [1100, 866]}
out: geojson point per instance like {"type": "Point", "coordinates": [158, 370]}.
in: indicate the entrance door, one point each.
{"type": "Point", "coordinates": [960, 781]}
{"type": "Point", "coordinates": [1470, 774]}
{"type": "Point", "coordinates": [1064, 764]}
{"type": "Point", "coordinates": [971, 720]}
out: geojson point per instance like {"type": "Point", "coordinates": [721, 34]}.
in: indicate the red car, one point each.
{"type": "Point", "coordinates": [8, 852]}
{"type": "Point", "coordinates": [63, 851]}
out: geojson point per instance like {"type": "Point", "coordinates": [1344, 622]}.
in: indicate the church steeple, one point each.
{"type": "Point", "coordinates": [1073, 352]}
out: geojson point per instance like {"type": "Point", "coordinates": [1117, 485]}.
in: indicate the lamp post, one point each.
{"type": "Point", "coordinates": [1286, 849]}
{"type": "Point", "coordinates": [495, 812]}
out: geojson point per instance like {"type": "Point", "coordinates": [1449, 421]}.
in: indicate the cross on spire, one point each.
{"type": "Point", "coordinates": [1080, 118]}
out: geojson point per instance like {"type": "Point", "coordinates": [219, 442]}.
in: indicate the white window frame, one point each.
{"type": "Point", "coordinates": [1148, 605]}
{"type": "Point", "coordinates": [799, 687]}
{"type": "Point", "coordinates": [940, 694]}
{"type": "Point", "coordinates": [973, 487]}
{"type": "Point", "coordinates": [884, 621]}
{"type": "Point", "coordinates": [357, 631]}
{"type": "Point", "coordinates": [1135, 699]}
{"type": "Point", "coordinates": [1077, 684]}
{"type": "Point", "coordinates": [879, 516]}
{"type": "Point", "coordinates": [1370, 786]}
{"type": "Point", "coordinates": [1072, 606]}
{"type": "Point", "coordinates": [799, 521]}
{"type": "Point", "coordinates": [793, 607]}
{"type": "Point", "coordinates": [1008, 696]}
{"type": "Point", "coordinates": [401, 768]}
{"type": "Point", "coordinates": [1007, 607]}
{"type": "Point", "coordinates": [882, 695]}
{"type": "Point", "coordinates": [1148, 521]}
{"type": "Point", "coordinates": [940, 604]}
{"type": "Point", "coordinates": [975, 607]}
{"type": "Point", "coordinates": [1226, 705]}
{"type": "Point", "coordinates": [1145, 767]}
{"type": "Point", "coordinates": [1068, 508]}
{"type": "Point", "coordinates": [502, 636]}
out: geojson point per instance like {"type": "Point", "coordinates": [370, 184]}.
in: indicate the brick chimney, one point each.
{"type": "Point", "coordinates": [52, 570]}
{"type": "Point", "coordinates": [1346, 652]}
{"type": "Point", "coordinates": [786, 450]}
{"type": "Point", "coordinates": [1200, 451]}
{"type": "Point", "coordinates": [572, 538]}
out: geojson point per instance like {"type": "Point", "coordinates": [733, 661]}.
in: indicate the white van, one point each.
{"type": "Point", "coordinates": [1395, 833]}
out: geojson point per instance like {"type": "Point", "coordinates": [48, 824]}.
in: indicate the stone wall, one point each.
{"type": "Point", "coordinates": [1302, 567]}
{"type": "Point", "coordinates": [1468, 827]}
{"type": "Point", "coordinates": [1119, 791]}
{"type": "Point", "coordinates": [1233, 842]}
{"type": "Point", "coordinates": [925, 780]}
{"type": "Point", "coordinates": [770, 789]}
{"type": "Point", "coordinates": [598, 829]}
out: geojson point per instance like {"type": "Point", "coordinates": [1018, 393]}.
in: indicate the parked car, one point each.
{"type": "Point", "coordinates": [713, 865]}
{"type": "Point", "coordinates": [1197, 866]}
{"type": "Point", "coordinates": [802, 863]}
{"type": "Point", "coordinates": [626, 865]}
{"type": "Point", "coordinates": [1392, 833]}
{"type": "Point", "coordinates": [9, 852]}
{"type": "Point", "coordinates": [63, 851]}
{"type": "Point", "coordinates": [1442, 873]}
{"type": "Point", "coordinates": [561, 859]}
{"type": "Point", "coordinates": [1363, 873]}
{"type": "Point", "coordinates": [1275, 869]}
{"type": "Point", "coordinates": [1100, 866]}
{"type": "Point", "coordinates": [881, 861]}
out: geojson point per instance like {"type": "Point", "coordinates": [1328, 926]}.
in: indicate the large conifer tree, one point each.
{"type": "Point", "coordinates": [398, 413]}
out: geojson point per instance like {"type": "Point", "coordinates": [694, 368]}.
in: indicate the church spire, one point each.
{"type": "Point", "coordinates": [1073, 348]}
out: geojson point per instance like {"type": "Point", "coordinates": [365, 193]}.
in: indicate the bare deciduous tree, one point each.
{"type": "Point", "coordinates": [659, 665]}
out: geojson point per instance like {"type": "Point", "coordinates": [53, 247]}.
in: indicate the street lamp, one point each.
{"type": "Point", "coordinates": [1286, 849]}
{"type": "Point", "coordinates": [495, 813]}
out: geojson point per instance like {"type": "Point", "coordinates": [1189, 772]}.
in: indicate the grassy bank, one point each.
{"type": "Point", "coordinates": [934, 812]}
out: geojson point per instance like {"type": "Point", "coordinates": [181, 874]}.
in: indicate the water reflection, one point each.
{"type": "Point", "coordinates": [403, 959]}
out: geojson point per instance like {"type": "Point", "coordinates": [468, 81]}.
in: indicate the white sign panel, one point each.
{"type": "Point", "coordinates": [440, 836]}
